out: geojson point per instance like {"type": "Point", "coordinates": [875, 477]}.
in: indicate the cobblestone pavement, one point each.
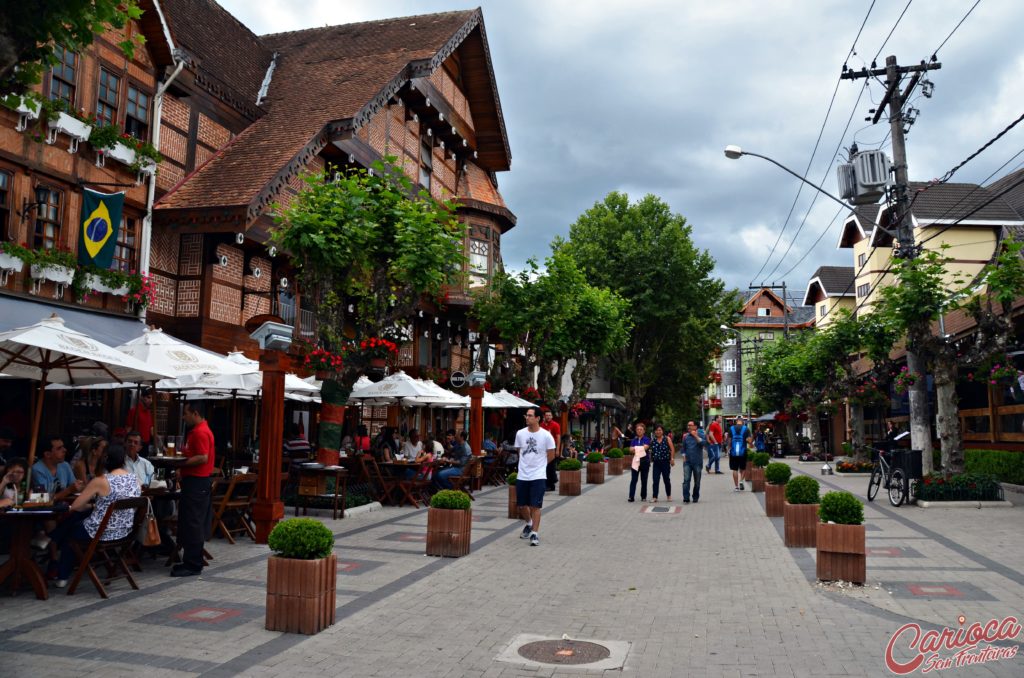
{"type": "Point", "coordinates": [705, 590]}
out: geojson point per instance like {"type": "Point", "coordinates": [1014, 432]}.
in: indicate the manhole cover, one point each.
{"type": "Point", "coordinates": [564, 652]}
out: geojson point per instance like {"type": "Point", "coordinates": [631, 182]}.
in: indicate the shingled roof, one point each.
{"type": "Point", "coordinates": [322, 75]}
{"type": "Point", "coordinates": [858, 225]}
{"type": "Point", "coordinates": [833, 281]}
{"type": "Point", "coordinates": [1014, 196]}
{"type": "Point", "coordinates": [226, 57]}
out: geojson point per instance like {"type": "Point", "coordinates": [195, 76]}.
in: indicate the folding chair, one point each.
{"type": "Point", "coordinates": [235, 503]}
{"type": "Point", "coordinates": [470, 477]}
{"type": "Point", "coordinates": [494, 473]}
{"type": "Point", "coordinates": [110, 554]}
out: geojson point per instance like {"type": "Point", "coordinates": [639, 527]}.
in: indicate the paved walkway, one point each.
{"type": "Point", "coordinates": [709, 590]}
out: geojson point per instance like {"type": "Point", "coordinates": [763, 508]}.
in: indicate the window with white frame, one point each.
{"type": "Point", "coordinates": [730, 390]}
{"type": "Point", "coordinates": [479, 262]}
{"type": "Point", "coordinates": [764, 312]}
{"type": "Point", "coordinates": [766, 336]}
{"type": "Point", "coordinates": [862, 259]}
{"type": "Point", "coordinates": [862, 290]}
{"type": "Point", "coordinates": [729, 365]}
{"type": "Point", "coordinates": [822, 310]}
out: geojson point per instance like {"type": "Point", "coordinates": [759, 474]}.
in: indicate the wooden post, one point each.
{"type": "Point", "coordinates": [476, 419]}
{"type": "Point", "coordinates": [267, 508]}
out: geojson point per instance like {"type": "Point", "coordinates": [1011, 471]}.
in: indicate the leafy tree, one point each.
{"type": "Point", "coordinates": [367, 248]}
{"type": "Point", "coordinates": [28, 31]}
{"type": "Point", "coordinates": [644, 253]}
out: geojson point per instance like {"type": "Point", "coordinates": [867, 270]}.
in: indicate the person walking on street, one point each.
{"type": "Point", "coordinates": [554, 428]}
{"type": "Point", "coordinates": [692, 447]}
{"type": "Point", "coordinates": [663, 458]}
{"type": "Point", "coordinates": [714, 444]}
{"type": "Point", "coordinates": [640, 444]}
{"type": "Point", "coordinates": [195, 512]}
{"type": "Point", "coordinates": [536, 450]}
{"type": "Point", "coordinates": [737, 438]}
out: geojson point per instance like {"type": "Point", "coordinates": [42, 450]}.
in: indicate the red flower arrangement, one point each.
{"type": "Point", "coordinates": [141, 290]}
{"type": "Point", "coordinates": [322, 360]}
{"type": "Point", "coordinates": [374, 347]}
{"type": "Point", "coordinates": [530, 393]}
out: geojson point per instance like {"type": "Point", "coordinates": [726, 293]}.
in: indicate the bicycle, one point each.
{"type": "Point", "coordinates": [896, 481]}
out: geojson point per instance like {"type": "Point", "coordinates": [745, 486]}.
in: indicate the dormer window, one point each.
{"type": "Point", "coordinates": [764, 312]}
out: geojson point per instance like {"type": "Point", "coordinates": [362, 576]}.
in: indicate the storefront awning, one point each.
{"type": "Point", "coordinates": [18, 312]}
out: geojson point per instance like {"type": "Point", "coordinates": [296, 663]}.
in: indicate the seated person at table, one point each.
{"type": "Point", "coordinates": [490, 446]}
{"type": "Point", "coordinates": [426, 457]}
{"type": "Point", "coordinates": [296, 446]}
{"type": "Point", "coordinates": [413, 446]}
{"type": "Point", "coordinates": [51, 473]}
{"type": "Point", "coordinates": [90, 464]}
{"type": "Point", "coordinates": [117, 483]}
{"type": "Point", "coordinates": [456, 458]}
{"type": "Point", "coordinates": [386, 448]}
{"type": "Point", "coordinates": [362, 439]}
{"type": "Point", "coordinates": [9, 486]}
{"type": "Point", "coordinates": [135, 462]}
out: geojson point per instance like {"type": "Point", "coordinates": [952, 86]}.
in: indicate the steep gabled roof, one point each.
{"type": "Point", "coordinates": [323, 77]}
{"type": "Point", "coordinates": [227, 58]}
{"type": "Point", "coordinates": [1014, 195]}
{"type": "Point", "coordinates": [858, 225]}
{"type": "Point", "coordinates": [830, 281]}
{"type": "Point", "coordinates": [946, 204]}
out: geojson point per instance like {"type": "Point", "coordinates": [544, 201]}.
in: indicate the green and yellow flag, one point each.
{"type": "Point", "coordinates": [101, 218]}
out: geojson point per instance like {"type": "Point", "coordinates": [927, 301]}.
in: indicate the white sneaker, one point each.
{"type": "Point", "coordinates": [534, 539]}
{"type": "Point", "coordinates": [527, 530]}
{"type": "Point", "coordinates": [60, 583]}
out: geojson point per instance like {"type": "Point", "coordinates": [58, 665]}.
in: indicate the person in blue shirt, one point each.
{"type": "Point", "coordinates": [489, 444]}
{"type": "Point", "coordinates": [642, 465]}
{"type": "Point", "coordinates": [51, 473]}
{"type": "Point", "coordinates": [737, 438]}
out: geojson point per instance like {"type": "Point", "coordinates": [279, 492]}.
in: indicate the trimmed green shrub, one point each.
{"type": "Point", "coordinates": [777, 473]}
{"type": "Point", "coordinates": [962, 487]}
{"type": "Point", "coordinates": [761, 459]}
{"type": "Point", "coordinates": [511, 478]}
{"type": "Point", "coordinates": [841, 508]}
{"type": "Point", "coordinates": [595, 458]}
{"type": "Point", "coordinates": [1006, 465]}
{"type": "Point", "coordinates": [570, 465]}
{"type": "Point", "coordinates": [802, 490]}
{"type": "Point", "coordinates": [451, 499]}
{"type": "Point", "coordinates": [615, 453]}
{"type": "Point", "coordinates": [301, 538]}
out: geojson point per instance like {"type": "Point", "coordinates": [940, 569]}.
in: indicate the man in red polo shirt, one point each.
{"type": "Point", "coordinates": [195, 512]}
{"type": "Point", "coordinates": [140, 418]}
{"type": "Point", "coordinates": [551, 426]}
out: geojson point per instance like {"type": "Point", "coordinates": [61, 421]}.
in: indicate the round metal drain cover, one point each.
{"type": "Point", "coordinates": [564, 652]}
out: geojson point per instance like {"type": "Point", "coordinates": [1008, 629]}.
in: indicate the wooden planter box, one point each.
{"type": "Point", "coordinates": [513, 506]}
{"type": "Point", "coordinates": [801, 524]}
{"type": "Point", "coordinates": [595, 473]}
{"type": "Point", "coordinates": [569, 483]}
{"type": "Point", "coordinates": [774, 498]}
{"type": "Point", "coordinates": [747, 471]}
{"type": "Point", "coordinates": [616, 466]}
{"type": "Point", "coordinates": [757, 479]}
{"type": "Point", "coordinates": [841, 553]}
{"type": "Point", "coordinates": [301, 594]}
{"type": "Point", "coordinates": [448, 532]}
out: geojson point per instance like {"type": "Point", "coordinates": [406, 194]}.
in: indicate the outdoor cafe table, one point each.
{"type": "Point", "coordinates": [20, 566]}
{"type": "Point", "coordinates": [317, 473]}
{"type": "Point", "coordinates": [397, 470]}
{"type": "Point", "coordinates": [170, 463]}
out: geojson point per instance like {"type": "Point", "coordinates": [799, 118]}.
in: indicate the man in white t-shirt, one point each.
{"type": "Point", "coordinates": [536, 449]}
{"type": "Point", "coordinates": [413, 446]}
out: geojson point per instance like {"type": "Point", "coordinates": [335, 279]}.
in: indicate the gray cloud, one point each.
{"type": "Point", "coordinates": [642, 97]}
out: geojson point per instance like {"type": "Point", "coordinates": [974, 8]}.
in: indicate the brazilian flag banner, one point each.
{"type": "Point", "coordinates": [101, 218]}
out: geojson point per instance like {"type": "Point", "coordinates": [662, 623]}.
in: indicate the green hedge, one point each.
{"type": "Point", "coordinates": [1006, 465]}
{"type": "Point", "coordinates": [963, 487]}
{"type": "Point", "coordinates": [778, 473]}
{"type": "Point", "coordinates": [595, 458]}
{"type": "Point", "coordinates": [615, 453]}
{"type": "Point", "coordinates": [301, 538]}
{"type": "Point", "coordinates": [841, 508]}
{"type": "Point", "coordinates": [802, 490]}
{"type": "Point", "coordinates": [451, 499]}
{"type": "Point", "coordinates": [570, 465]}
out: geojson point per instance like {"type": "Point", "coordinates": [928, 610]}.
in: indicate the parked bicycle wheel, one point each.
{"type": "Point", "coordinates": [897, 487]}
{"type": "Point", "coordinates": [874, 483]}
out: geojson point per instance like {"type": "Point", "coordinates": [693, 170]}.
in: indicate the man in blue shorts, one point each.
{"type": "Point", "coordinates": [737, 438]}
{"type": "Point", "coordinates": [536, 449]}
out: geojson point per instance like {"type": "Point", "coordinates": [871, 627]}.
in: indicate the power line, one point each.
{"type": "Point", "coordinates": [886, 41]}
{"type": "Point", "coordinates": [811, 248]}
{"type": "Point", "coordinates": [935, 52]}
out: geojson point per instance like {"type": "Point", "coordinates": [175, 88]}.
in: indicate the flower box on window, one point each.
{"type": "Point", "coordinates": [27, 110]}
{"type": "Point", "coordinates": [62, 275]}
{"type": "Point", "coordinates": [9, 264]}
{"type": "Point", "coordinates": [95, 283]}
{"type": "Point", "coordinates": [69, 125]}
{"type": "Point", "coordinates": [121, 153]}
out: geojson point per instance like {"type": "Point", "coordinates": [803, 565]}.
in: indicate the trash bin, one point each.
{"type": "Point", "coordinates": [909, 461]}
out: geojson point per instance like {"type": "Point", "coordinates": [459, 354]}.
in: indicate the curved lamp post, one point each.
{"type": "Point", "coordinates": [735, 152]}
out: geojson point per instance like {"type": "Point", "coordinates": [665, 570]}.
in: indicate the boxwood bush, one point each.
{"type": "Point", "coordinates": [760, 459]}
{"type": "Point", "coordinates": [615, 453]}
{"type": "Point", "coordinates": [802, 490]}
{"type": "Point", "coordinates": [841, 508]}
{"type": "Point", "coordinates": [301, 538]}
{"type": "Point", "coordinates": [451, 499]}
{"type": "Point", "coordinates": [778, 473]}
{"type": "Point", "coordinates": [511, 478]}
{"type": "Point", "coordinates": [595, 458]}
{"type": "Point", "coordinates": [1006, 465]}
{"type": "Point", "coordinates": [570, 465]}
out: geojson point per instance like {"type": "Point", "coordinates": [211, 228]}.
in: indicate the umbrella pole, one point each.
{"type": "Point", "coordinates": [37, 417]}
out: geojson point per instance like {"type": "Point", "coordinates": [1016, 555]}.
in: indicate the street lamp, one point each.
{"type": "Point", "coordinates": [739, 358]}
{"type": "Point", "coordinates": [735, 152]}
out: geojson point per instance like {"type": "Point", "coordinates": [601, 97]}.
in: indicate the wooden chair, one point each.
{"type": "Point", "coordinates": [235, 503]}
{"type": "Point", "coordinates": [385, 485]}
{"type": "Point", "coordinates": [494, 473]}
{"type": "Point", "coordinates": [471, 473]}
{"type": "Point", "coordinates": [110, 554]}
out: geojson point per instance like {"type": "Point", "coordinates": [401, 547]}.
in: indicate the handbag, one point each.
{"type": "Point", "coordinates": [149, 531]}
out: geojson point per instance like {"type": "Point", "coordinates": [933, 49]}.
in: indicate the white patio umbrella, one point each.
{"type": "Point", "coordinates": [513, 400]}
{"type": "Point", "coordinates": [392, 389]}
{"type": "Point", "coordinates": [439, 396]}
{"type": "Point", "coordinates": [49, 352]}
{"type": "Point", "coordinates": [490, 401]}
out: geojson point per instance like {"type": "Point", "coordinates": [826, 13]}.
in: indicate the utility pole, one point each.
{"type": "Point", "coordinates": [920, 427]}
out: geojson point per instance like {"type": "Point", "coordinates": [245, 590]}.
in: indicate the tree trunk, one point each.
{"type": "Point", "coordinates": [814, 424]}
{"type": "Point", "coordinates": [791, 439]}
{"type": "Point", "coordinates": [948, 419]}
{"type": "Point", "coordinates": [857, 428]}
{"type": "Point", "coordinates": [920, 429]}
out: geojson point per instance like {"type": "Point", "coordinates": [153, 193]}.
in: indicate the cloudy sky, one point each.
{"type": "Point", "coordinates": [642, 96]}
